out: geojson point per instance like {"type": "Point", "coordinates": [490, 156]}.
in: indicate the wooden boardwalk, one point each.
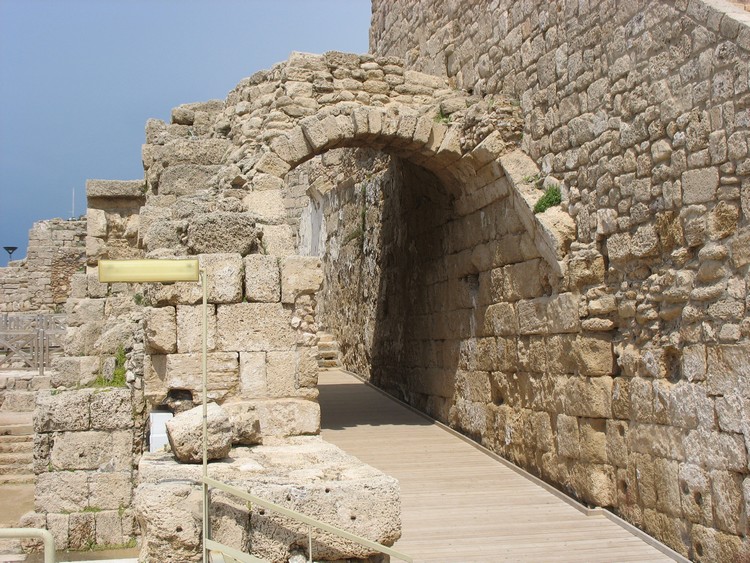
{"type": "Point", "coordinates": [458, 503]}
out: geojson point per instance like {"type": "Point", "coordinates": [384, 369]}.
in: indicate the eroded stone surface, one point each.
{"type": "Point", "coordinates": [185, 434]}
{"type": "Point", "coordinates": [303, 474]}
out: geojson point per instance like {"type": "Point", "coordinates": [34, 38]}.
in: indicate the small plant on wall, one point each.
{"type": "Point", "coordinates": [550, 198]}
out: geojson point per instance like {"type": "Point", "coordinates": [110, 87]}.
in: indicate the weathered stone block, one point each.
{"type": "Point", "coordinates": [110, 451]}
{"type": "Point", "coordinates": [727, 502]}
{"type": "Point", "coordinates": [254, 327]}
{"type": "Point", "coordinates": [187, 179]}
{"type": "Point", "coordinates": [695, 488]}
{"type": "Point", "coordinates": [190, 328]}
{"type": "Point", "coordinates": [287, 417]}
{"type": "Point", "coordinates": [61, 491]}
{"type": "Point", "coordinates": [111, 409]}
{"type": "Point", "coordinates": [109, 528]}
{"type": "Point", "coordinates": [593, 440]}
{"type": "Point", "coordinates": [728, 369]}
{"type": "Point", "coordinates": [170, 517]}
{"type": "Point", "coordinates": [61, 412]}
{"type": "Point", "coordinates": [588, 397]}
{"type": "Point", "coordinates": [81, 530]}
{"type": "Point", "coordinates": [184, 371]}
{"type": "Point", "coordinates": [224, 276]}
{"type": "Point", "coordinates": [593, 355]}
{"type": "Point", "coordinates": [262, 278]}
{"type": "Point", "coordinates": [300, 275]}
{"type": "Point", "coordinates": [222, 231]}
{"type": "Point", "coordinates": [568, 438]}
{"type": "Point", "coordinates": [110, 490]}
{"type": "Point", "coordinates": [699, 186]}
{"type": "Point", "coordinates": [160, 330]}
{"type": "Point", "coordinates": [185, 434]}
{"type": "Point", "coordinates": [58, 524]}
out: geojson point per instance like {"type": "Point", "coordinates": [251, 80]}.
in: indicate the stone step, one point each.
{"type": "Point", "coordinates": [328, 347]}
{"type": "Point", "coordinates": [17, 469]}
{"type": "Point", "coordinates": [19, 401]}
{"type": "Point", "coordinates": [17, 430]}
{"type": "Point", "coordinates": [20, 446]}
{"type": "Point", "coordinates": [15, 459]}
{"type": "Point", "coordinates": [329, 354]}
{"type": "Point", "coordinates": [328, 351]}
{"type": "Point", "coordinates": [15, 439]}
{"type": "Point", "coordinates": [17, 479]}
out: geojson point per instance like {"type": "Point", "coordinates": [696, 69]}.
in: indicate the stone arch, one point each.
{"type": "Point", "coordinates": [473, 176]}
{"type": "Point", "coordinates": [215, 177]}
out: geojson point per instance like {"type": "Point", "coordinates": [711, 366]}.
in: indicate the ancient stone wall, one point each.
{"type": "Point", "coordinates": [42, 280]}
{"type": "Point", "coordinates": [641, 109]}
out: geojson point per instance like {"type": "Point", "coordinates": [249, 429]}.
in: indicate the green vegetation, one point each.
{"type": "Point", "coordinates": [442, 118]}
{"type": "Point", "coordinates": [118, 376]}
{"type": "Point", "coordinates": [550, 198]}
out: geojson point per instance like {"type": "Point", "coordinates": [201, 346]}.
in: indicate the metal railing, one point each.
{"type": "Point", "coordinates": [29, 339]}
{"type": "Point", "coordinates": [44, 535]}
{"type": "Point", "coordinates": [311, 523]}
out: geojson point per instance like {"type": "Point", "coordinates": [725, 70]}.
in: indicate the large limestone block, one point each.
{"type": "Point", "coordinates": [110, 490]}
{"type": "Point", "coordinates": [594, 355]}
{"type": "Point", "coordinates": [185, 434]}
{"type": "Point", "coordinates": [190, 328]}
{"type": "Point", "coordinates": [699, 186]}
{"type": "Point", "coordinates": [111, 409]}
{"type": "Point", "coordinates": [278, 240]}
{"type": "Point", "coordinates": [61, 491]}
{"type": "Point", "coordinates": [184, 371]}
{"type": "Point", "coordinates": [115, 189]}
{"type": "Point", "coordinates": [81, 311]}
{"type": "Point", "coordinates": [288, 417]}
{"type": "Point", "coordinates": [254, 327]}
{"type": "Point", "coordinates": [262, 278]}
{"type": "Point", "coordinates": [224, 275]}
{"type": "Point", "coordinates": [222, 231]}
{"type": "Point", "coordinates": [589, 397]}
{"type": "Point", "coordinates": [279, 417]}
{"type": "Point", "coordinates": [245, 423]}
{"type": "Point", "coordinates": [728, 369]}
{"type": "Point", "coordinates": [170, 517]}
{"type": "Point", "coordinates": [94, 450]}
{"type": "Point", "coordinates": [304, 474]}
{"type": "Point", "coordinates": [253, 375]}
{"type": "Point", "coordinates": [65, 411]}
{"type": "Point", "coordinates": [300, 275]}
{"type": "Point", "coordinates": [186, 179]}
{"type": "Point", "coordinates": [96, 223]}
{"type": "Point", "coordinates": [194, 151]}
{"type": "Point", "coordinates": [267, 206]}
{"type": "Point", "coordinates": [160, 330]}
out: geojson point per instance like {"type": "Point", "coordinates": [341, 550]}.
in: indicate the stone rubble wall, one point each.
{"type": "Point", "coordinates": [215, 189]}
{"type": "Point", "coordinates": [641, 109]}
{"type": "Point", "coordinates": [42, 280]}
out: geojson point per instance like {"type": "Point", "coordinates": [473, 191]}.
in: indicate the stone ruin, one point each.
{"type": "Point", "coordinates": [41, 280]}
{"type": "Point", "coordinates": [601, 344]}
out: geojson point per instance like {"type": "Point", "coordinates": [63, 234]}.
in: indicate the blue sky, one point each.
{"type": "Point", "coordinates": [79, 79]}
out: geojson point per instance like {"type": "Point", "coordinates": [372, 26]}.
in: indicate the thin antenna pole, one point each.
{"type": "Point", "coordinates": [73, 206]}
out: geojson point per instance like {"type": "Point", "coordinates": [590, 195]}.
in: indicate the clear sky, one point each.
{"type": "Point", "coordinates": [79, 79]}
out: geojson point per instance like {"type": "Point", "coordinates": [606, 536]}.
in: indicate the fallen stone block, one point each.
{"type": "Point", "coordinates": [185, 434]}
{"type": "Point", "coordinates": [304, 474]}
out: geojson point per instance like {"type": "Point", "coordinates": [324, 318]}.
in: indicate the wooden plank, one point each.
{"type": "Point", "coordinates": [459, 504]}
